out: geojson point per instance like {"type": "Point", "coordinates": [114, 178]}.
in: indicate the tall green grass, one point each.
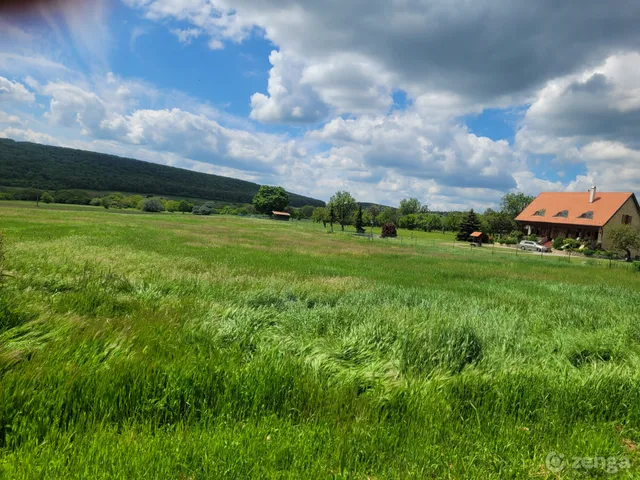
{"type": "Point", "coordinates": [171, 346]}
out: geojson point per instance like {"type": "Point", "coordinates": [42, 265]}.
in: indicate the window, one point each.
{"type": "Point", "coordinates": [563, 214]}
{"type": "Point", "coordinates": [626, 219]}
{"type": "Point", "coordinates": [588, 215]}
{"type": "Point", "coordinates": [540, 213]}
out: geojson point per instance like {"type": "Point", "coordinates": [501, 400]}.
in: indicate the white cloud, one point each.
{"type": "Point", "coordinates": [10, 119]}
{"type": "Point", "coordinates": [28, 136]}
{"type": "Point", "coordinates": [590, 118]}
{"type": "Point", "coordinates": [289, 101]}
{"type": "Point", "coordinates": [187, 35]}
{"type": "Point", "coordinates": [14, 91]}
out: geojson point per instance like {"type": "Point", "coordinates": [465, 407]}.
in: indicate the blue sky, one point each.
{"type": "Point", "coordinates": [452, 102]}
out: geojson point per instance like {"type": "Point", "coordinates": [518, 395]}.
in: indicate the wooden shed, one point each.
{"type": "Point", "coordinates": [476, 237]}
{"type": "Point", "coordinates": [284, 216]}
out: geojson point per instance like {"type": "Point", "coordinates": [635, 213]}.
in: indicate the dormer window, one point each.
{"type": "Point", "coordinates": [587, 215]}
{"type": "Point", "coordinates": [540, 213]}
{"type": "Point", "coordinates": [563, 214]}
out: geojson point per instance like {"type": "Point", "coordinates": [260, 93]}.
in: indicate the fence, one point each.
{"type": "Point", "coordinates": [493, 250]}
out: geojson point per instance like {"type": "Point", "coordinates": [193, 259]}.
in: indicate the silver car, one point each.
{"type": "Point", "coordinates": [532, 246]}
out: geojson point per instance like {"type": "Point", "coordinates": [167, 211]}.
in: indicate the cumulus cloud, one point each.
{"type": "Point", "coordinates": [482, 51]}
{"type": "Point", "coordinates": [591, 118]}
{"type": "Point", "coordinates": [28, 135]}
{"type": "Point", "coordinates": [14, 91]}
{"type": "Point", "coordinates": [288, 100]}
{"type": "Point", "coordinates": [71, 104]}
{"type": "Point", "coordinates": [10, 119]}
{"type": "Point", "coordinates": [410, 146]}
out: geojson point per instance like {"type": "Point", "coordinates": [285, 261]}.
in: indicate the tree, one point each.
{"type": "Point", "coordinates": [152, 205]}
{"type": "Point", "coordinates": [359, 223]}
{"type": "Point", "coordinates": [320, 215]}
{"type": "Point", "coordinates": [269, 199]}
{"type": "Point", "coordinates": [514, 203]}
{"type": "Point", "coordinates": [499, 222]}
{"type": "Point", "coordinates": [172, 206]}
{"type": "Point", "coordinates": [307, 211]}
{"type": "Point", "coordinates": [46, 197]}
{"type": "Point", "coordinates": [387, 215]}
{"type": "Point", "coordinates": [434, 222]}
{"type": "Point", "coordinates": [410, 206]}
{"type": "Point", "coordinates": [374, 211]}
{"type": "Point", "coordinates": [408, 221]}
{"type": "Point", "coordinates": [185, 206]}
{"type": "Point", "coordinates": [624, 237]}
{"type": "Point", "coordinates": [470, 223]}
{"type": "Point", "coordinates": [343, 203]}
{"type": "Point", "coordinates": [332, 216]}
{"type": "Point", "coordinates": [452, 221]}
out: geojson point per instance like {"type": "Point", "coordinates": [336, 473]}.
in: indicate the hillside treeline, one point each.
{"type": "Point", "coordinates": [34, 166]}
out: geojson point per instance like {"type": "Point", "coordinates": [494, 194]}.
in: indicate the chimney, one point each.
{"type": "Point", "coordinates": [592, 194]}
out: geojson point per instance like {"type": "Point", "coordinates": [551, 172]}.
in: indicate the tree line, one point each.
{"type": "Point", "coordinates": [32, 168]}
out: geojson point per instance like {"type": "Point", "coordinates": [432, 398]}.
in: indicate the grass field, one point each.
{"type": "Point", "coordinates": [184, 347]}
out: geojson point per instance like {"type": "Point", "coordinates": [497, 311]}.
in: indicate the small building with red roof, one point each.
{"type": "Point", "coordinates": [584, 216]}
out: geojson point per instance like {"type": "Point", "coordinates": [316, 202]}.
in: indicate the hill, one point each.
{"type": "Point", "coordinates": [32, 165]}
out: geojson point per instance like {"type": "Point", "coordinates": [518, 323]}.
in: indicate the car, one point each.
{"type": "Point", "coordinates": [533, 246]}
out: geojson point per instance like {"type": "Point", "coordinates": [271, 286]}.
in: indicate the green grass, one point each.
{"type": "Point", "coordinates": [176, 346]}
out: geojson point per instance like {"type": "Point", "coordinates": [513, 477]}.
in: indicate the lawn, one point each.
{"type": "Point", "coordinates": [185, 347]}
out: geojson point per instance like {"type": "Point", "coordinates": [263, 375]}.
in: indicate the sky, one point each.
{"type": "Point", "coordinates": [454, 102]}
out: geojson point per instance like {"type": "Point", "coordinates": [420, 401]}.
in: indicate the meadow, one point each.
{"type": "Point", "coordinates": [185, 347]}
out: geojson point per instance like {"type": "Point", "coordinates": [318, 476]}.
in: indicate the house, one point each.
{"type": "Point", "coordinates": [584, 216]}
{"type": "Point", "coordinates": [284, 216]}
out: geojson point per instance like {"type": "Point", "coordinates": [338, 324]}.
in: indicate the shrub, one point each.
{"type": "Point", "coordinates": [517, 234]}
{"type": "Point", "coordinates": [557, 243]}
{"type": "Point", "coordinates": [389, 230]}
{"type": "Point", "coordinates": [96, 202]}
{"type": "Point", "coordinates": [588, 252]}
{"type": "Point", "coordinates": [571, 244]}
{"type": "Point", "coordinates": [206, 208]}
{"type": "Point", "coordinates": [46, 197]}
{"type": "Point", "coordinates": [172, 206]}
{"type": "Point", "coordinates": [6, 196]}
{"type": "Point", "coordinates": [532, 238]}
{"type": "Point", "coordinates": [636, 267]}
{"type": "Point", "coordinates": [152, 205]}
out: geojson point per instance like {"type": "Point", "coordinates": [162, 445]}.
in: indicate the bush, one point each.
{"type": "Point", "coordinates": [96, 202]}
{"type": "Point", "coordinates": [557, 243]}
{"type": "Point", "coordinates": [588, 252]}
{"type": "Point", "coordinates": [6, 196]}
{"type": "Point", "coordinates": [571, 244]}
{"type": "Point", "coordinates": [172, 206]}
{"type": "Point", "coordinates": [532, 238]}
{"type": "Point", "coordinates": [389, 230]}
{"type": "Point", "coordinates": [46, 197]}
{"type": "Point", "coordinates": [206, 208]}
{"type": "Point", "coordinates": [635, 266]}
{"type": "Point", "coordinates": [152, 205]}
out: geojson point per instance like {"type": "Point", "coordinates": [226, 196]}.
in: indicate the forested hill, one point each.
{"type": "Point", "coordinates": [24, 164]}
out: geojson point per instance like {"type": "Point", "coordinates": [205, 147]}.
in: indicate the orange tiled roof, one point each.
{"type": "Point", "coordinates": [573, 208]}
{"type": "Point", "coordinates": [281, 213]}
{"type": "Point", "coordinates": [476, 234]}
